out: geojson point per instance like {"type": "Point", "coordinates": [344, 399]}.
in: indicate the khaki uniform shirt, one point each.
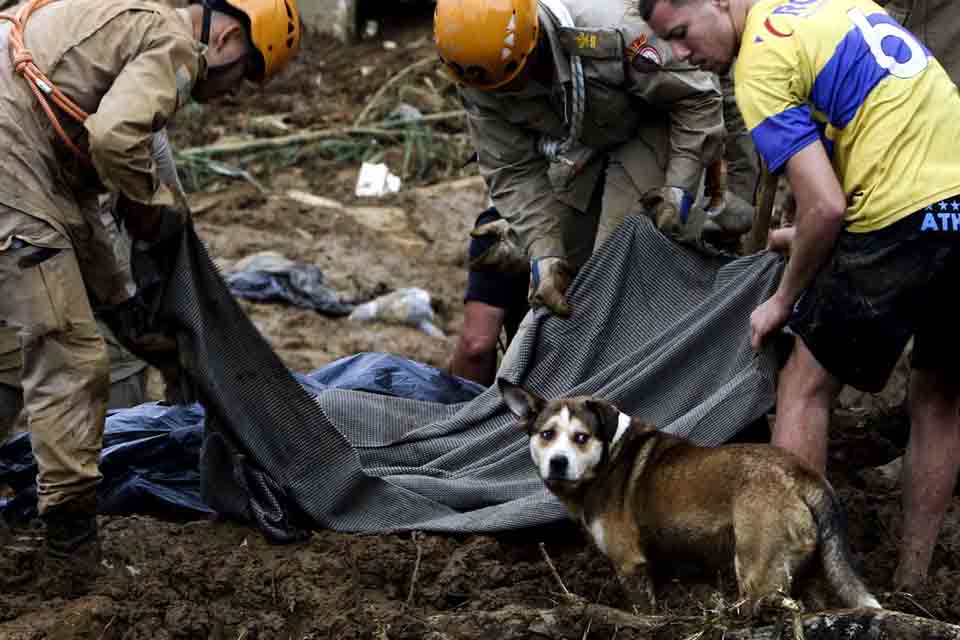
{"type": "Point", "coordinates": [131, 64]}
{"type": "Point", "coordinates": [677, 109]}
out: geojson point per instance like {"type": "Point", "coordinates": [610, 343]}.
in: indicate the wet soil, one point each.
{"type": "Point", "coordinates": [220, 581]}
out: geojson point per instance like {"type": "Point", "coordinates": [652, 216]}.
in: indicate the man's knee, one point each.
{"type": "Point", "coordinates": [935, 394]}
{"type": "Point", "coordinates": [476, 346]}
{"type": "Point", "coordinates": [64, 357]}
{"type": "Point", "coordinates": [481, 329]}
{"type": "Point", "coordinates": [805, 377]}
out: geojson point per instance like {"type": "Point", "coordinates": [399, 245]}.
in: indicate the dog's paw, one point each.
{"type": "Point", "coordinates": [639, 595]}
{"type": "Point", "coordinates": [775, 606]}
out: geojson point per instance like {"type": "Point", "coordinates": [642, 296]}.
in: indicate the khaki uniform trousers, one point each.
{"type": "Point", "coordinates": [632, 170]}
{"type": "Point", "coordinates": [65, 373]}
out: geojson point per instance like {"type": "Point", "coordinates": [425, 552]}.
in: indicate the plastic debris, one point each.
{"type": "Point", "coordinates": [269, 277]}
{"type": "Point", "coordinates": [375, 180]}
{"type": "Point", "coordinates": [405, 113]}
{"type": "Point", "coordinates": [410, 306]}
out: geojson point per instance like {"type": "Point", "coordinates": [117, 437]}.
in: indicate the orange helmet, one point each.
{"type": "Point", "coordinates": [273, 27]}
{"type": "Point", "coordinates": [485, 43]}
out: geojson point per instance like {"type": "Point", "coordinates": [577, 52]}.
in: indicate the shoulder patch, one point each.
{"type": "Point", "coordinates": [643, 56]}
{"type": "Point", "coordinates": [591, 43]}
{"type": "Point", "coordinates": [634, 47]}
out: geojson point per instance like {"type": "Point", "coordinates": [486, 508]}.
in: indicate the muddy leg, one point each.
{"type": "Point", "coordinates": [771, 548]}
{"type": "Point", "coordinates": [634, 578]}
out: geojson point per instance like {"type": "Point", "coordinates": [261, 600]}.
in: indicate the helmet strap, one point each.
{"type": "Point", "coordinates": [216, 70]}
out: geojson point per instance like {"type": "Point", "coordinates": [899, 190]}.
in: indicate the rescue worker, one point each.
{"type": "Point", "coordinates": [579, 118]}
{"type": "Point", "coordinates": [122, 68]}
{"type": "Point", "coordinates": [128, 373]}
{"type": "Point", "coordinates": [876, 245]}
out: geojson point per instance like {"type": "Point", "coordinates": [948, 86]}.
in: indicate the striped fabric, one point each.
{"type": "Point", "coordinates": [658, 329]}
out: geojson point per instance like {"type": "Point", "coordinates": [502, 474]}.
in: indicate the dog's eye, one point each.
{"type": "Point", "coordinates": [581, 438]}
{"type": "Point", "coordinates": [547, 434]}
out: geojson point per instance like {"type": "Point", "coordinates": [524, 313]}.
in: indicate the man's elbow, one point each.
{"type": "Point", "coordinates": [832, 210]}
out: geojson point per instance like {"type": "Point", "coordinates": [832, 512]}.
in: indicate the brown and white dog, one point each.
{"type": "Point", "coordinates": [644, 496]}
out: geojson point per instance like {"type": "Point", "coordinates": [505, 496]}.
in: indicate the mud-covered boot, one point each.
{"type": "Point", "coordinates": [71, 562]}
{"type": "Point", "coordinates": [18, 557]}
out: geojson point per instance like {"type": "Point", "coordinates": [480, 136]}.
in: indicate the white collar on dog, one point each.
{"type": "Point", "coordinates": [623, 422]}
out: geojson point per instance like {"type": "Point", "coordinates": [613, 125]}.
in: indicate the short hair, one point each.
{"type": "Point", "coordinates": [645, 7]}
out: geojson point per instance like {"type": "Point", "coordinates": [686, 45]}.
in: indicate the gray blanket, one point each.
{"type": "Point", "coordinates": [657, 329]}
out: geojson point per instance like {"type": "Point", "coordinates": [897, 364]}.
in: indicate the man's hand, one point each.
{"type": "Point", "coordinates": [669, 207]}
{"type": "Point", "coordinates": [500, 252]}
{"type": "Point", "coordinates": [781, 239]}
{"type": "Point", "coordinates": [767, 318]}
{"type": "Point", "coordinates": [549, 279]}
{"type": "Point", "coordinates": [152, 224]}
{"type": "Point", "coordinates": [715, 187]}
{"type": "Point", "coordinates": [132, 323]}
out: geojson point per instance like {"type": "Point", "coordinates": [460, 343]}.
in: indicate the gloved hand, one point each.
{"type": "Point", "coordinates": [155, 225]}
{"type": "Point", "coordinates": [727, 214]}
{"type": "Point", "coordinates": [499, 251]}
{"type": "Point", "coordinates": [132, 323]}
{"type": "Point", "coordinates": [715, 188]}
{"type": "Point", "coordinates": [669, 208]}
{"type": "Point", "coordinates": [549, 279]}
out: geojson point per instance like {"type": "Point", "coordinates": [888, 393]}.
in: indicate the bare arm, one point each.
{"type": "Point", "coordinates": [821, 206]}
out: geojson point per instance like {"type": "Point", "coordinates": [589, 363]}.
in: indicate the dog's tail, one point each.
{"type": "Point", "coordinates": [831, 522]}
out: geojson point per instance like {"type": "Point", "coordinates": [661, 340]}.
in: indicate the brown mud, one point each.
{"type": "Point", "coordinates": [220, 581]}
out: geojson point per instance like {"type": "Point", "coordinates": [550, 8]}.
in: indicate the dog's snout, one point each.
{"type": "Point", "coordinates": [558, 465]}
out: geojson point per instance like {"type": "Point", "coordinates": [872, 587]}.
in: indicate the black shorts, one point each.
{"type": "Point", "coordinates": [880, 288]}
{"type": "Point", "coordinates": [502, 290]}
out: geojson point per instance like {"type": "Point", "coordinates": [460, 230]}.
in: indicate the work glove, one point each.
{"type": "Point", "coordinates": [727, 214]}
{"type": "Point", "coordinates": [157, 232]}
{"type": "Point", "coordinates": [669, 207]}
{"type": "Point", "coordinates": [498, 250]}
{"type": "Point", "coordinates": [152, 225]}
{"type": "Point", "coordinates": [134, 323]}
{"type": "Point", "coordinates": [715, 188]}
{"type": "Point", "coordinates": [549, 279]}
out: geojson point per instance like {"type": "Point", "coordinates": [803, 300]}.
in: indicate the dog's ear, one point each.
{"type": "Point", "coordinates": [522, 403]}
{"type": "Point", "coordinates": [608, 418]}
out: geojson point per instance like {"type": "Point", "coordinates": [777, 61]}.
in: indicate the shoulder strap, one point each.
{"type": "Point", "coordinates": [551, 147]}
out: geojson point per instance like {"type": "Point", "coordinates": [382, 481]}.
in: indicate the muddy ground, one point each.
{"type": "Point", "coordinates": [219, 581]}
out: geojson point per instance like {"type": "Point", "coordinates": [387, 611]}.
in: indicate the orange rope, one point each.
{"type": "Point", "coordinates": [39, 83]}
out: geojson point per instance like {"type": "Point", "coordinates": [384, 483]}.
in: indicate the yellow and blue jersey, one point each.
{"type": "Point", "coordinates": [845, 73]}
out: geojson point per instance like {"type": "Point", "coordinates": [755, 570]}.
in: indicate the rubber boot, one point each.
{"type": "Point", "coordinates": [19, 554]}
{"type": "Point", "coordinates": [71, 559]}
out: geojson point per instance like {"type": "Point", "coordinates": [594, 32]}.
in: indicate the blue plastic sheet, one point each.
{"type": "Point", "coordinates": [272, 278]}
{"type": "Point", "coordinates": [151, 454]}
